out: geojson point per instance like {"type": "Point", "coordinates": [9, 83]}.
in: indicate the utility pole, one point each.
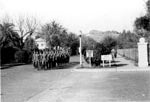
{"type": "Point", "coordinates": [80, 49]}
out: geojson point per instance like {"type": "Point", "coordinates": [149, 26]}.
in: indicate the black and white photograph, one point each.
{"type": "Point", "coordinates": [75, 50]}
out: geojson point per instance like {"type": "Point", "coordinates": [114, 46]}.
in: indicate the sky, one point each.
{"type": "Point", "coordinates": [76, 15]}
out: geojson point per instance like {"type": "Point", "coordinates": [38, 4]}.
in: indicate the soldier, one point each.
{"type": "Point", "coordinates": [55, 59]}
{"type": "Point", "coordinates": [67, 57]}
{"type": "Point", "coordinates": [34, 59]}
{"type": "Point", "coordinates": [50, 60]}
{"type": "Point", "coordinates": [59, 58]}
{"type": "Point", "coordinates": [40, 60]}
{"type": "Point", "coordinates": [43, 60]}
{"type": "Point", "coordinates": [47, 59]}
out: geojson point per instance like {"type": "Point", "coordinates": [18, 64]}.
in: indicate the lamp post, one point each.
{"type": "Point", "coordinates": [80, 49]}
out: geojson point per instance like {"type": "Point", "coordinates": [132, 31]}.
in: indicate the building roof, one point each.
{"type": "Point", "coordinates": [40, 40]}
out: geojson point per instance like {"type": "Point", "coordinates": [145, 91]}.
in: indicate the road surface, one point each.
{"type": "Point", "coordinates": [25, 84]}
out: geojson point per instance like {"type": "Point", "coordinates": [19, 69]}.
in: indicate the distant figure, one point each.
{"type": "Point", "coordinates": [114, 54]}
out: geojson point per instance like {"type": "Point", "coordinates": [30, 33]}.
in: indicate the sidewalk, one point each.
{"type": "Point", "coordinates": [121, 64]}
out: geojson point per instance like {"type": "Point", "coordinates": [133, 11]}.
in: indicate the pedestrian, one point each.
{"type": "Point", "coordinates": [113, 54]}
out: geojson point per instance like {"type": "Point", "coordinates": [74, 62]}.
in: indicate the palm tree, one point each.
{"type": "Point", "coordinates": [8, 36]}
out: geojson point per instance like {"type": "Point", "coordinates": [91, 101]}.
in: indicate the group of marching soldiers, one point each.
{"type": "Point", "coordinates": [49, 59]}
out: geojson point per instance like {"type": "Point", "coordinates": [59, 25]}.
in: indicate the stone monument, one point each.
{"type": "Point", "coordinates": [142, 53]}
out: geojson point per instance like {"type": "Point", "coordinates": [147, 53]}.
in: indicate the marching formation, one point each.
{"type": "Point", "coordinates": [49, 59]}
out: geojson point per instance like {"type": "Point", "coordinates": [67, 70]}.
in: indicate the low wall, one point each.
{"type": "Point", "coordinates": [131, 53]}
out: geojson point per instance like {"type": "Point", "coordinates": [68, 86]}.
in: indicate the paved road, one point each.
{"type": "Point", "coordinates": [65, 85]}
{"type": "Point", "coordinates": [20, 83]}
{"type": "Point", "coordinates": [99, 87]}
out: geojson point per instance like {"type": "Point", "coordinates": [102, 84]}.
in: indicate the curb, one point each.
{"type": "Point", "coordinates": [111, 70]}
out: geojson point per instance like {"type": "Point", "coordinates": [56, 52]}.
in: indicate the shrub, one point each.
{"type": "Point", "coordinates": [21, 56]}
{"type": "Point", "coordinates": [7, 55]}
{"type": "Point", "coordinates": [29, 54]}
{"type": "Point", "coordinates": [99, 49]}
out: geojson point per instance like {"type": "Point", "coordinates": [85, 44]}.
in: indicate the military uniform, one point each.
{"type": "Point", "coordinates": [50, 59]}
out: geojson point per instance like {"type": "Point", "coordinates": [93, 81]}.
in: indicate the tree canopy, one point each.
{"type": "Point", "coordinates": [142, 24]}
{"type": "Point", "coordinates": [127, 39]}
{"type": "Point", "coordinates": [8, 36]}
{"type": "Point", "coordinates": [54, 34]}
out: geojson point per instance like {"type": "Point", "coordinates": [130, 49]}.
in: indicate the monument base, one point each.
{"type": "Point", "coordinates": [143, 64]}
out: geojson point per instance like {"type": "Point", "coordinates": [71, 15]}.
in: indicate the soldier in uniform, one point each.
{"type": "Point", "coordinates": [47, 60]}
{"type": "Point", "coordinates": [34, 59]}
{"type": "Point", "coordinates": [37, 59]}
{"type": "Point", "coordinates": [44, 60]}
{"type": "Point", "coordinates": [54, 59]}
{"type": "Point", "coordinates": [58, 59]}
{"type": "Point", "coordinates": [40, 60]}
{"type": "Point", "coordinates": [50, 60]}
{"type": "Point", "coordinates": [67, 57]}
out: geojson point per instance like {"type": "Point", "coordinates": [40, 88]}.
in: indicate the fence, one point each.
{"type": "Point", "coordinates": [131, 53]}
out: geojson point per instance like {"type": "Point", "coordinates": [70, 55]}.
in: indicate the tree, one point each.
{"type": "Point", "coordinates": [54, 41]}
{"type": "Point", "coordinates": [54, 34]}
{"type": "Point", "coordinates": [73, 43]}
{"type": "Point", "coordinates": [142, 24]}
{"type": "Point", "coordinates": [26, 27]}
{"type": "Point", "coordinates": [127, 39]}
{"type": "Point", "coordinates": [87, 43]}
{"type": "Point", "coordinates": [9, 41]}
{"type": "Point", "coordinates": [148, 7]}
{"type": "Point", "coordinates": [26, 52]}
{"type": "Point", "coordinates": [29, 44]}
{"type": "Point", "coordinates": [109, 43]}
{"type": "Point", "coordinates": [101, 48]}
{"type": "Point", "coordinates": [8, 36]}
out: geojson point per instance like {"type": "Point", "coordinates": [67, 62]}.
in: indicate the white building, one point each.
{"type": "Point", "coordinates": [41, 43]}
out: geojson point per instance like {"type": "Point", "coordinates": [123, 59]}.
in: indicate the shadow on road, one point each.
{"type": "Point", "coordinates": [11, 65]}
{"type": "Point", "coordinates": [66, 66]}
{"type": "Point", "coordinates": [116, 65]}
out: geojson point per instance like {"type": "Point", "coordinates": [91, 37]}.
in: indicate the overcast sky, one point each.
{"type": "Point", "coordinates": [76, 15]}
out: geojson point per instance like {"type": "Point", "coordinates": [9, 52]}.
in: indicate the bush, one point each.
{"type": "Point", "coordinates": [29, 53]}
{"type": "Point", "coordinates": [21, 56]}
{"type": "Point", "coordinates": [96, 60]}
{"type": "Point", "coordinates": [7, 55]}
{"type": "Point", "coordinates": [99, 49]}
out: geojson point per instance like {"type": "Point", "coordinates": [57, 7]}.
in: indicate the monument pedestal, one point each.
{"type": "Point", "coordinates": [142, 53]}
